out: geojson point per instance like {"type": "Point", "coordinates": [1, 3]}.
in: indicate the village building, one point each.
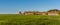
{"type": "Point", "coordinates": [28, 13]}
{"type": "Point", "coordinates": [35, 13]}
{"type": "Point", "coordinates": [53, 12]}
{"type": "Point", "coordinates": [44, 13]}
{"type": "Point", "coordinates": [40, 13]}
{"type": "Point", "coordinates": [50, 12]}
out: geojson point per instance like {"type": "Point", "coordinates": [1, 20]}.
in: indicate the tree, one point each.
{"type": "Point", "coordinates": [53, 10]}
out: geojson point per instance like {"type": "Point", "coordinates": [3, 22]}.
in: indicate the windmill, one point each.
{"type": "Point", "coordinates": [19, 12]}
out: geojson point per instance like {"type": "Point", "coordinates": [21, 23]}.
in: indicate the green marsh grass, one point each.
{"type": "Point", "coordinates": [15, 19]}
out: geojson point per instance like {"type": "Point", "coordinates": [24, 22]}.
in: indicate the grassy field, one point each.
{"type": "Point", "coordinates": [14, 19]}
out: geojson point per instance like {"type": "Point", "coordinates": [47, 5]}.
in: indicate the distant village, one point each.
{"type": "Point", "coordinates": [49, 12]}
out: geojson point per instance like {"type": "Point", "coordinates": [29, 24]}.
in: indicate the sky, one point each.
{"type": "Point", "coordinates": [13, 6]}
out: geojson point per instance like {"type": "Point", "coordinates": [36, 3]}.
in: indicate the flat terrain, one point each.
{"type": "Point", "coordinates": [14, 19]}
